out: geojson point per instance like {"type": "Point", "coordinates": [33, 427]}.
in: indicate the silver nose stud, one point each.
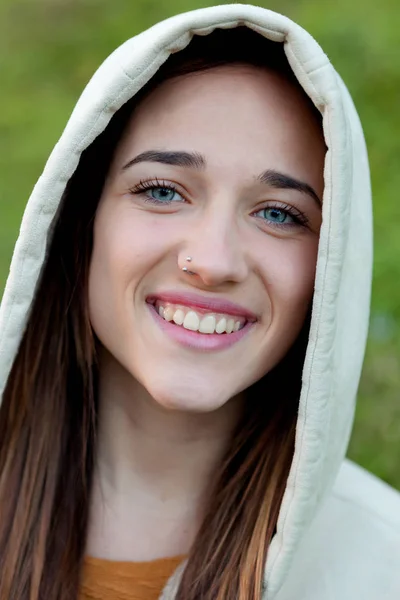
{"type": "Point", "coordinates": [185, 269]}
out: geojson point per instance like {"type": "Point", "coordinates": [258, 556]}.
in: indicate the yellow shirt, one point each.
{"type": "Point", "coordinates": [116, 580]}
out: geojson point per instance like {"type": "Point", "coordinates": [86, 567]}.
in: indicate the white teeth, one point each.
{"type": "Point", "coordinates": [168, 313]}
{"type": "Point", "coordinates": [204, 323]}
{"type": "Point", "coordinates": [221, 326]}
{"type": "Point", "coordinates": [230, 326]}
{"type": "Point", "coordinates": [207, 324]}
{"type": "Point", "coordinates": [179, 317]}
{"type": "Point", "coordinates": [191, 321]}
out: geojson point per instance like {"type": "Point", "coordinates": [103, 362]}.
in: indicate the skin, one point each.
{"type": "Point", "coordinates": [166, 411]}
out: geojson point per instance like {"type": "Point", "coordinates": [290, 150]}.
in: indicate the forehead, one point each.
{"type": "Point", "coordinates": [226, 113]}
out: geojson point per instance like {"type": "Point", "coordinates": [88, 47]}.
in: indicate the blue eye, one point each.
{"type": "Point", "coordinates": [283, 216]}
{"type": "Point", "coordinates": [163, 194]}
{"type": "Point", "coordinates": [276, 215]}
{"type": "Point", "coordinates": [157, 192]}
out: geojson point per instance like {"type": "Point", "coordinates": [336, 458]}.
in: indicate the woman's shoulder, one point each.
{"type": "Point", "coordinates": [373, 499]}
{"type": "Point", "coordinates": [352, 548]}
{"type": "Point", "coordinates": [366, 510]}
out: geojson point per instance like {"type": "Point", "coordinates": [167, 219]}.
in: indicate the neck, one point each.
{"type": "Point", "coordinates": [152, 461]}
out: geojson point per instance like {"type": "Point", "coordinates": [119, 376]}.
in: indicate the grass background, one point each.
{"type": "Point", "coordinates": [50, 48]}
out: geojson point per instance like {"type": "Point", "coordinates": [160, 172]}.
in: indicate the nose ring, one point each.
{"type": "Point", "coordinates": [185, 269]}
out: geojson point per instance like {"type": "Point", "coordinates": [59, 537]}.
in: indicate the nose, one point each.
{"type": "Point", "coordinates": [217, 251]}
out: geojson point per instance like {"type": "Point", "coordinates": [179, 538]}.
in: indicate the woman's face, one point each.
{"type": "Point", "coordinates": [224, 166]}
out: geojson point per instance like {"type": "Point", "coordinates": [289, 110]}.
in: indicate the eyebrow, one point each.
{"type": "Point", "coordinates": [192, 160]}
{"type": "Point", "coordinates": [278, 180]}
{"type": "Point", "coordinates": [195, 160]}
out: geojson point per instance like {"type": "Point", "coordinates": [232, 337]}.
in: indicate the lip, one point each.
{"type": "Point", "coordinates": [205, 342]}
{"type": "Point", "coordinates": [216, 305]}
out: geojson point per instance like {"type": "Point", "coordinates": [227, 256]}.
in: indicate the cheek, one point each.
{"type": "Point", "coordinates": [127, 246]}
{"type": "Point", "coordinates": [118, 252]}
{"type": "Point", "coordinates": [290, 276]}
{"type": "Point", "coordinates": [124, 244]}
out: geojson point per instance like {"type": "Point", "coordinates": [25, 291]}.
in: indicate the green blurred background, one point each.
{"type": "Point", "coordinates": [50, 48]}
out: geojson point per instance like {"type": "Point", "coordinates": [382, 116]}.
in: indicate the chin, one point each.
{"type": "Point", "coordinates": [187, 397]}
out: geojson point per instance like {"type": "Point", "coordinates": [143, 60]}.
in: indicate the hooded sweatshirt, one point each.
{"type": "Point", "coordinates": [338, 531]}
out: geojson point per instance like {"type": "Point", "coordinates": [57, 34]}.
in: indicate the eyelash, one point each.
{"type": "Point", "coordinates": [145, 185]}
{"type": "Point", "coordinates": [300, 219]}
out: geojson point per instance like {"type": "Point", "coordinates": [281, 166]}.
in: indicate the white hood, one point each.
{"type": "Point", "coordinates": [342, 287]}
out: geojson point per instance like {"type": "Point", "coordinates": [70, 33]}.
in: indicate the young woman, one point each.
{"type": "Point", "coordinates": [183, 330]}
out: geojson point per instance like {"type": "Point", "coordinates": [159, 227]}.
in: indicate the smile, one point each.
{"type": "Point", "coordinates": [195, 320]}
{"type": "Point", "coordinates": [198, 324]}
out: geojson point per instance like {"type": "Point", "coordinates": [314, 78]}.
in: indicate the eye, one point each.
{"type": "Point", "coordinates": [163, 194]}
{"type": "Point", "coordinates": [157, 192]}
{"type": "Point", "coordinates": [277, 215]}
{"type": "Point", "coordinates": [282, 216]}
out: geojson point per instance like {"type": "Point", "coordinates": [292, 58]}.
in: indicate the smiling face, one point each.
{"type": "Point", "coordinates": [224, 166]}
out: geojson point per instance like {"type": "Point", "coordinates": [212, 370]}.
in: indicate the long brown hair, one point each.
{"type": "Point", "coordinates": [48, 418]}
